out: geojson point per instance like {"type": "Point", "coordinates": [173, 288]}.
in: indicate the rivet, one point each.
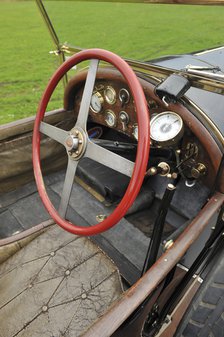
{"type": "Point", "coordinates": [16, 232]}
{"type": "Point", "coordinates": [30, 286]}
{"type": "Point", "coordinates": [52, 254]}
{"type": "Point", "coordinates": [101, 217]}
{"type": "Point", "coordinates": [67, 272]}
{"type": "Point", "coordinates": [76, 132]}
{"type": "Point", "coordinates": [45, 308]}
{"type": "Point", "coordinates": [77, 152]}
{"type": "Point", "coordinates": [84, 296]}
{"type": "Point", "coordinates": [165, 260]}
{"type": "Point", "coordinates": [168, 244]}
{"type": "Point", "coordinates": [174, 175]}
{"type": "Point", "coordinates": [80, 141]}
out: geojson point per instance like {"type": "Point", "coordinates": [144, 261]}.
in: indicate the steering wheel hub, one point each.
{"type": "Point", "coordinates": [76, 143]}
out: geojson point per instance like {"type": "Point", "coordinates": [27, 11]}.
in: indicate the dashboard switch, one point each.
{"type": "Point", "coordinates": [124, 118]}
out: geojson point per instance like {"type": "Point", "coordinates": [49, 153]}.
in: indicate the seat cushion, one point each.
{"type": "Point", "coordinates": [109, 183]}
{"type": "Point", "coordinates": [57, 285]}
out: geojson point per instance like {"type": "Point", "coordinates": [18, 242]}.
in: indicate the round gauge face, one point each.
{"type": "Point", "coordinates": [110, 95]}
{"type": "Point", "coordinates": [124, 96]}
{"type": "Point", "coordinates": [166, 128]}
{"type": "Point", "coordinates": [135, 131]}
{"type": "Point", "coordinates": [96, 103]}
{"type": "Point", "coordinates": [110, 118]}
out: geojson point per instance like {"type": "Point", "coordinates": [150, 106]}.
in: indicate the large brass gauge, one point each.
{"type": "Point", "coordinates": [110, 118]}
{"type": "Point", "coordinates": [166, 128]}
{"type": "Point", "coordinates": [110, 95]}
{"type": "Point", "coordinates": [96, 104]}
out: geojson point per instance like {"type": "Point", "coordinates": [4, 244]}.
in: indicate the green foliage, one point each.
{"type": "Point", "coordinates": [133, 30]}
{"type": "Point", "coordinates": [139, 31]}
{"type": "Point", "coordinates": [26, 64]}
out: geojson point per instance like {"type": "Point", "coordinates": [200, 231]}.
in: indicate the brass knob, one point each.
{"type": "Point", "coordinates": [198, 171]}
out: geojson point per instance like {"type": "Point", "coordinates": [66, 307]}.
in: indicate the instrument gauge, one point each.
{"type": "Point", "coordinates": [110, 95]}
{"type": "Point", "coordinates": [135, 131]}
{"type": "Point", "coordinates": [124, 96]}
{"type": "Point", "coordinates": [166, 128]}
{"type": "Point", "coordinates": [110, 118]}
{"type": "Point", "coordinates": [96, 103]}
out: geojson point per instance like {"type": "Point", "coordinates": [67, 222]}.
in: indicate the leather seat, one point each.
{"type": "Point", "coordinates": [57, 285]}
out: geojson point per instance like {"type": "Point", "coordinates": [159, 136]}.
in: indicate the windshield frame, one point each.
{"type": "Point", "coordinates": [198, 79]}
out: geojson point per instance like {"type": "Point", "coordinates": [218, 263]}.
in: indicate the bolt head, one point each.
{"type": "Point", "coordinates": [171, 187]}
{"type": "Point", "coordinates": [45, 308]}
{"type": "Point", "coordinates": [69, 141]}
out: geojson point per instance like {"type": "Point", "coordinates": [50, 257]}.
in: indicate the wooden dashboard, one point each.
{"type": "Point", "coordinates": [113, 107]}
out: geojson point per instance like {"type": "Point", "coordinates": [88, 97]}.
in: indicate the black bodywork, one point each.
{"type": "Point", "coordinates": [210, 103]}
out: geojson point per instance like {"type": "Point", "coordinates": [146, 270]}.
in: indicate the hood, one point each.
{"type": "Point", "coordinates": [211, 103]}
{"type": "Point", "coordinates": [207, 58]}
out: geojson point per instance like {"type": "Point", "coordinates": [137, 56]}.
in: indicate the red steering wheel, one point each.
{"type": "Point", "coordinates": [78, 144]}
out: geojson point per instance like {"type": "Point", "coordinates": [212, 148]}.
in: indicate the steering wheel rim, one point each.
{"type": "Point", "coordinates": [142, 148]}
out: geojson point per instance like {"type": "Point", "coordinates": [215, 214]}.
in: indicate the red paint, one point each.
{"type": "Point", "coordinates": [143, 140]}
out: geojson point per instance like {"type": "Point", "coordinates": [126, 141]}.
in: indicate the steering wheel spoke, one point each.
{"type": "Point", "coordinates": [109, 159]}
{"type": "Point", "coordinates": [87, 94]}
{"type": "Point", "coordinates": [53, 132]}
{"type": "Point", "coordinates": [67, 188]}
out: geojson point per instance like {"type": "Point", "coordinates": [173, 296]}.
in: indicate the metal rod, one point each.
{"type": "Point", "coordinates": [48, 23]}
{"type": "Point", "coordinates": [158, 228]}
{"type": "Point", "coordinates": [53, 34]}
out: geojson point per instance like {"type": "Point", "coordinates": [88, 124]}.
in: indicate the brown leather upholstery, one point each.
{"type": "Point", "coordinates": [57, 285]}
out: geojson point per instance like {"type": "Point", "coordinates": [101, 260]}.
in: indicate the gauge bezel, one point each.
{"type": "Point", "coordinates": [110, 112]}
{"type": "Point", "coordinates": [127, 97]}
{"type": "Point", "coordinates": [170, 141]}
{"type": "Point", "coordinates": [113, 91]}
{"type": "Point", "coordinates": [124, 113]}
{"type": "Point", "coordinates": [101, 99]}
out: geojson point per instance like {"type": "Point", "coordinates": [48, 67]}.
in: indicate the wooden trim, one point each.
{"type": "Point", "coordinates": [26, 233]}
{"type": "Point", "coordinates": [179, 311]}
{"type": "Point", "coordinates": [131, 300]}
{"type": "Point", "coordinates": [25, 125]}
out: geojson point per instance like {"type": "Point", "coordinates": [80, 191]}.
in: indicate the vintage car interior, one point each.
{"type": "Point", "coordinates": [132, 171]}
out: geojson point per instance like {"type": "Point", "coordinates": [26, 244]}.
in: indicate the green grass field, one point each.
{"type": "Point", "coordinates": [133, 30]}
